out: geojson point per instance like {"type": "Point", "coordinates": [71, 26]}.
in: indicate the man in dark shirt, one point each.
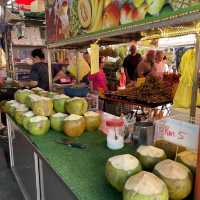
{"type": "Point", "coordinates": [131, 62]}
{"type": "Point", "coordinates": [39, 70]}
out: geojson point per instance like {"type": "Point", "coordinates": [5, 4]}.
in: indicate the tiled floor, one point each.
{"type": "Point", "coordinates": [9, 189]}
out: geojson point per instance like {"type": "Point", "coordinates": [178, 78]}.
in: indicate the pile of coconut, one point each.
{"type": "Point", "coordinates": [163, 179]}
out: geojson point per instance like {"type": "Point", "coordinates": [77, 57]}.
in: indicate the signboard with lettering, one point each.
{"type": "Point", "coordinates": [178, 132]}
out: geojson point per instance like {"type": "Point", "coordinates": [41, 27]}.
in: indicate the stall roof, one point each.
{"type": "Point", "coordinates": [125, 33]}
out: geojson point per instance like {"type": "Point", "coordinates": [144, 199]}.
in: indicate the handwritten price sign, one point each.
{"type": "Point", "coordinates": [178, 132]}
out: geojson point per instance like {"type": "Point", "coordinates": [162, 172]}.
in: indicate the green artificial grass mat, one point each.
{"type": "Point", "coordinates": [81, 169]}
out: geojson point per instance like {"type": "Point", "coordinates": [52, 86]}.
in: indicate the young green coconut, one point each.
{"type": "Point", "coordinates": [59, 103]}
{"type": "Point", "coordinates": [177, 177]}
{"type": "Point", "coordinates": [26, 119]}
{"type": "Point", "coordinates": [149, 156]}
{"type": "Point", "coordinates": [57, 121]}
{"type": "Point", "coordinates": [120, 168]}
{"type": "Point", "coordinates": [39, 125]}
{"type": "Point", "coordinates": [19, 113]}
{"type": "Point", "coordinates": [189, 159]}
{"type": "Point", "coordinates": [74, 125]}
{"type": "Point", "coordinates": [145, 186]}
{"type": "Point", "coordinates": [92, 120]}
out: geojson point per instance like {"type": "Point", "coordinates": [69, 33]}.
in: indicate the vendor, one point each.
{"type": "Point", "coordinates": [158, 68]}
{"type": "Point", "coordinates": [39, 70]}
{"type": "Point", "coordinates": [131, 62]}
{"type": "Point", "coordinates": [98, 80]}
{"type": "Point", "coordinates": [147, 64]}
{"type": "Point", "coordinates": [62, 73]}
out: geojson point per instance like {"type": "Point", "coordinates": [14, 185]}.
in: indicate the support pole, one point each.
{"type": "Point", "coordinates": [195, 80]}
{"type": "Point", "coordinates": [78, 67]}
{"type": "Point", "coordinates": [197, 181]}
{"type": "Point", "coordinates": [49, 69]}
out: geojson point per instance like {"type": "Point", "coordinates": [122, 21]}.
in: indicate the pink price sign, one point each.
{"type": "Point", "coordinates": [178, 132]}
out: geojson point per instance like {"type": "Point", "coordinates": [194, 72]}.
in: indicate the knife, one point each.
{"type": "Point", "coordinates": [72, 144]}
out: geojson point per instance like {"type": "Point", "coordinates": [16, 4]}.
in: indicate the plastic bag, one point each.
{"type": "Point", "coordinates": [183, 96]}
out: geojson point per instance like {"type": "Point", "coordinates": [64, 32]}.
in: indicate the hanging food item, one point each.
{"type": "Point", "coordinates": [94, 56]}
{"type": "Point", "coordinates": [84, 13]}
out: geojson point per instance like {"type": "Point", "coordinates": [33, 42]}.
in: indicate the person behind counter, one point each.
{"type": "Point", "coordinates": [158, 68]}
{"type": "Point", "coordinates": [131, 62]}
{"type": "Point", "coordinates": [98, 80]}
{"type": "Point", "coordinates": [146, 65]}
{"type": "Point", "coordinates": [39, 70]}
{"type": "Point", "coordinates": [62, 76]}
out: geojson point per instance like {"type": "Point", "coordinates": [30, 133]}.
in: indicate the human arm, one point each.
{"type": "Point", "coordinates": [125, 65]}
{"type": "Point", "coordinates": [59, 75]}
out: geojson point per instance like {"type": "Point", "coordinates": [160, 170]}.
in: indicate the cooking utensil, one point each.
{"type": "Point", "coordinates": [72, 144]}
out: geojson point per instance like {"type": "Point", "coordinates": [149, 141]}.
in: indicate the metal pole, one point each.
{"type": "Point", "coordinates": [78, 67]}
{"type": "Point", "coordinates": [197, 181]}
{"type": "Point", "coordinates": [49, 69]}
{"type": "Point", "coordinates": [195, 80]}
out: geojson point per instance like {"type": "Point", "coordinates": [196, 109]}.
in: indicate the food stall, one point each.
{"type": "Point", "coordinates": [59, 171]}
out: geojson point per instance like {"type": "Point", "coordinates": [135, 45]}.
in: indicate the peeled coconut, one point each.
{"type": "Point", "coordinates": [92, 120]}
{"type": "Point", "coordinates": [74, 125]}
{"type": "Point", "coordinates": [59, 103]}
{"type": "Point", "coordinates": [37, 90]}
{"type": "Point", "coordinates": [26, 118]}
{"type": "Point", "coordinates": [8, 104]}
{"type": "Point", "coordinates": [177, 177]}
{"type": "Point", "coordinates": [145, 186]}
{"type": "Point", "coordinates": [43, 106]}
{"type": "Point", "coordinates": [43, 93]}
{"type": "Point", "coordinates": [120, 168]}
{"type": "Point", "coordinates": [30, 99]}
{"type": "Point", "coordinates": [51, 94]}
{"type": "Point", "coordinates": [149, 156]}
{"type": "Point", "coordinates": [21, 95]}
{"type": "Point", "coordinates": [57, 121]}
{"type": "Point", "coordinates": [39, 125]}
{"type": "Point", "coordinates": [76, 105]}
{"type": "Point", "coordinates": [188, 158]}
{"type": "Point", "coordinates": [12, 108]}
{"type": "Point", "coordinates": [19, 114]}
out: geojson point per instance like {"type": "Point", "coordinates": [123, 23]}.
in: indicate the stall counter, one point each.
{"type": "Point", "coordinates": [81, 170]}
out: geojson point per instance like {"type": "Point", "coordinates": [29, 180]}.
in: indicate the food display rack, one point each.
{"type": "Point", "coordinates": [126, 105]}
{"type": "Point", "coordinates": [42, 166]}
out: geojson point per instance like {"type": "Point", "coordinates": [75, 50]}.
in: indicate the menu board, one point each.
{"type": "Point", "coordinates": [68, 19]}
